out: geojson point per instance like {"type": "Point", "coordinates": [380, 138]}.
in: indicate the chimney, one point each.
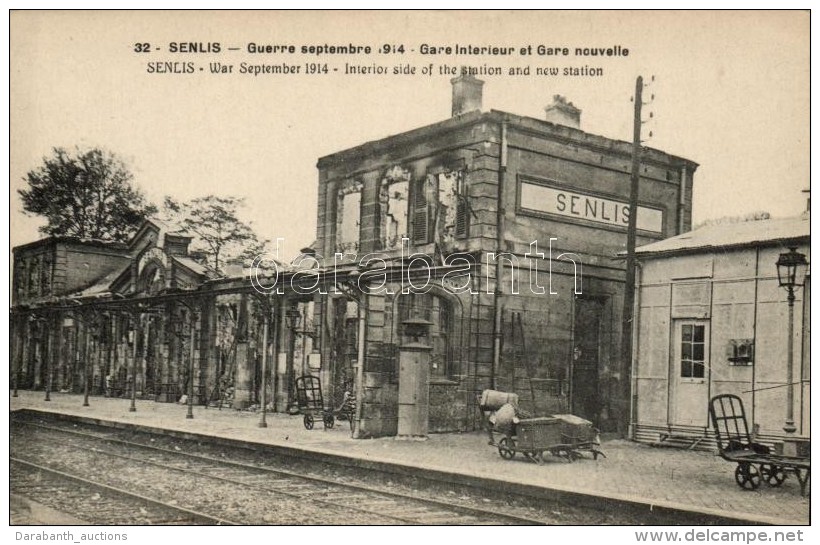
{"type": "Point", "coordinates": [466, 94]}
{"type": "Point", "coordinates": [563, 112]}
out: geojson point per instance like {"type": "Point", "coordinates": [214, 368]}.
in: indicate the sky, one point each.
{"type": "Point", "coordinates": [731, 92]}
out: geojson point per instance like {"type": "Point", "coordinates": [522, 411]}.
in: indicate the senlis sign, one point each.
{"type": "Point", "coordinates": [551, 200]}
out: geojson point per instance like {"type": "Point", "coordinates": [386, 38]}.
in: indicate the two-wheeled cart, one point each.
{"type": "Point", "coordinates": [311, 404]}
{"type": "Point", "coordinates": [566, 436]}
{"type": "Point", "coordinates": [755, 461]}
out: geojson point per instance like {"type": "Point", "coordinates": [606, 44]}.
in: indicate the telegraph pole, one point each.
{"type": "Point", "coordinates": [629, 287]}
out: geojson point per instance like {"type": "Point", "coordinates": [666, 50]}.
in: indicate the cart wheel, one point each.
{"type": "Point", "coordinates": [747, 476]}
{"type": "Point", "coordinates": [504, 449]}
{"type": "Point", "coordinates": [329, 421]}
{"type": "Point", "coordinates": [308, 421]}
{"type": "Point", "coordinates": [772, 474]}
{"type": "Point", "coordinates": [533, 456]}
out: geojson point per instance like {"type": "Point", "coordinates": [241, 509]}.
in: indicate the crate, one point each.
{"type": "Point", "coordinates": [538, 433]}
{"type": "Point", "coordinates": [575, 430]}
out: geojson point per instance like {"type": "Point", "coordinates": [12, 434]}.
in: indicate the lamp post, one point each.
{"type": "Point", "coordinates": [292, 319]}
{"type": "Point", "coordinates": [791, 274]}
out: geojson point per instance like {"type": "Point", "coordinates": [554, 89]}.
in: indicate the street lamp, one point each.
{"type": "Point", "coordinates": [292, 320]}
{"type": "Point", "coordinates": [791, 274]}
{"type": "Point", "coordinates": [134, 335]}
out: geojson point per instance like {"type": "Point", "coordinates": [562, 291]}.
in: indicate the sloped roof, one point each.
{"type": "Point", "coordinates": [733, 234]}
{"type": "Point", "coordinates": [120, 247]}
{"type": "Point", "coordinates": [101, 286]}
{"type": "Point", "coordinates": [168, 228]}
{"type": "Point", "coordinates": [193, 266]}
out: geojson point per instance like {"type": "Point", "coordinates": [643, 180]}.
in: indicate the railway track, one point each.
{"type": "Point", "coordinates": [98, 503]}
{"type": "Point", "coordinates": [319, 499]}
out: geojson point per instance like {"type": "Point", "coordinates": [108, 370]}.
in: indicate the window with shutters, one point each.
{"type": "Point", "coordinates": [463, 211]}
{"type": "Point", "coordinates": [430, 209]}
{"type": "Point", "coordinates": [440, 212]}
{"type": "Point", "coordinates": [424, 209]}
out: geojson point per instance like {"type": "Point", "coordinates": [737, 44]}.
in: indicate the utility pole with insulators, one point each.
{"type": "Point", "coordinates": [629, 287]}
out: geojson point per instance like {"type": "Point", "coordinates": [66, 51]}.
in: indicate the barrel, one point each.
{"type": "Point", "coordinates": [492, 400]}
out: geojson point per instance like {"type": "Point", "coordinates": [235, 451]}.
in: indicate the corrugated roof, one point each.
{"type": "Point", "coordinates": [732, 234]}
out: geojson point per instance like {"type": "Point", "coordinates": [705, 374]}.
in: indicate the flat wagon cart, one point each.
{"type": "Point", "coordinates": [566, 436]}
{"type": "Point", "coordinates": [312, 406]}
{"type": "Point", "coordinates": [755, 462]}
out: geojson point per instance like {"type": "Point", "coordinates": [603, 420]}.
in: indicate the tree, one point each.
{"type": "Point", "coordinates": [86, 194]}
{"type": "Point", "coordinates": [219, 233]}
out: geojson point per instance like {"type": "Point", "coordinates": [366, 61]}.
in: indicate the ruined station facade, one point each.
{"type": "Point", "coordinates": [499, 233]}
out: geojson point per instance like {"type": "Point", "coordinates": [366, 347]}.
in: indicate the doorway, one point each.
{"type": "Point", "coordinates": [689, 373]}
{"type": "Point", "coordinates": [586, 356]}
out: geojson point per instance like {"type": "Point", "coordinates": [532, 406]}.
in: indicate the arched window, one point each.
{"type": "Point", "coordinates": [152, 278]}
{"type": "Point", "coordinates": [439, 312]}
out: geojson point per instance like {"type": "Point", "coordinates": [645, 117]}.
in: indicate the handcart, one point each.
{"type": "Point", "coordinates": [311, 404]}
{"type": "Point", "coordinates": [755, 461]}
{"type": "Point", "coordinates": [566, 436]}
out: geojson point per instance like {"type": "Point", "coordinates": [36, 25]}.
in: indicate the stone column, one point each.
{"type": "Point", "coordinates": [281, 362]}
{"type": "Point", "coordinates": [37, 353]}
{"type": "Point", "coordinates": [242, 377]}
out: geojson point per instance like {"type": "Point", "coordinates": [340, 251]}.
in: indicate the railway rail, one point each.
{"type": "Point", "coordinates": [255, 492]}
{"type": "Point", "coordinates": [98, 503]}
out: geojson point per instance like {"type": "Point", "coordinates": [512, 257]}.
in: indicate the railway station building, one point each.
{"type": "Point", "coordinates": [477, 252]}
{"type": "Point", "coordinates": [714, 319]}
